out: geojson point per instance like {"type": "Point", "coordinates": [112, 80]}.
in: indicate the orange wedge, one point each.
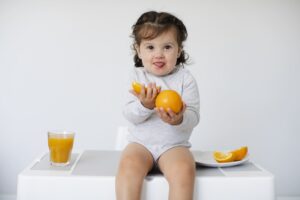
{"type": "Point", "coordinates": [240, 153]}
{"type": "Point", "coordinates": [223, 157]}
{"type": "Point", "coordinates": [137, 87]}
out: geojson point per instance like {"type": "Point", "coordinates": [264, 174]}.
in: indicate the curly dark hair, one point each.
{"type": "Point", "coordinates": [151, 24]}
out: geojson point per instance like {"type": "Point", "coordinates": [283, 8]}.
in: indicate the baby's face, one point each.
{"type": "Point", "coordinates": [159, 55]}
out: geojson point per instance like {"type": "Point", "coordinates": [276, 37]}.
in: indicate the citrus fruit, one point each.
{"type": "Point", "coordinates": [137, 87]}
{"type": "Point", "coordinates": [169, 99]}
{"type": "Point", "coordinates": [223, 157]}
{"type": "Point", "coordinates": [234, 155]}
{"type": "Point", "coordinates": [240, 153]}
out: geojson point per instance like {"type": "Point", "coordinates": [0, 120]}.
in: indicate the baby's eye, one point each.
{"type": "Point", "coordinates": [150, 47]}
{"type": "Point", "coordinates": [168, 47]}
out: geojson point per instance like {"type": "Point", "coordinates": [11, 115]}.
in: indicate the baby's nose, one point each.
{"type": "Point", "coordinates": [159, 53]}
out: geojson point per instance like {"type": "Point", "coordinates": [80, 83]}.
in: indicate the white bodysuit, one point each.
{"type": "Point", "coordinates": [148, 129]}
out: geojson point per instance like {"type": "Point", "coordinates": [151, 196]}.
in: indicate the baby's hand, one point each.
{"type": "Point", "coordinates": [147, 95]}
{"type": "Point", "coordinates": [171, 117]}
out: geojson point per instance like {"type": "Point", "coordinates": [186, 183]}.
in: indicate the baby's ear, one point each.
{"type": "Point", "coordinates": [179, 52]}
{"type": "Point", "coordinates": [137, 49]}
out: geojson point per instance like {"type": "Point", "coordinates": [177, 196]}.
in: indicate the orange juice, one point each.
{"type": "Point", "coordinates": [60, 146]}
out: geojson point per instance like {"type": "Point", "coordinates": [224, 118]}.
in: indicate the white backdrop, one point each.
{"type": "Point", "coordinates": [63, 65]}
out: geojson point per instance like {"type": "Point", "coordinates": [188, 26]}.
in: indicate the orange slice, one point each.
{"type": "Point", "coordinates": [137, 87]}
{"type": "Point", "coordinates": [223, 157]}
{"type": "Point", "coordinates": [240, 153]}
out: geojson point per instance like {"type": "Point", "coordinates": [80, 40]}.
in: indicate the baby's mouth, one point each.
{"type": "Point", "coordinates": [159, 64]}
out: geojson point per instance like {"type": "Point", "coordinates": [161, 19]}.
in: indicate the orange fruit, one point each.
{"type": "Point", "coordinates": [234, 155]}
{"type": "Point", "coordinates": [240, 153]}
{"type": "Point", "coordinates": [223, 157]}
{"type": "Point", "coordinates": [169, 99]}
{"type": "Point", "coordinates": [137, 87]}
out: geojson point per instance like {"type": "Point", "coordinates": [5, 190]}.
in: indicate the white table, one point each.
{"type": "Point", "coordinates": [91, 176]}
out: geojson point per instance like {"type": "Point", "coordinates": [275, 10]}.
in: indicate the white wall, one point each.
{"type": "Point", "coordinates": [63, 64]}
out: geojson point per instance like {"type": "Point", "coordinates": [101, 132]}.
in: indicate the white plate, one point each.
{"type": "Point", "coordinates": [206, 158]}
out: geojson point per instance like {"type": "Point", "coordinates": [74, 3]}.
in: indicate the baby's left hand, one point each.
{"type": "Point", "coordinates": [171, 117]}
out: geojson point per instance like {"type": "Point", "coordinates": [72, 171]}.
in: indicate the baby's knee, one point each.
{"type": "Point", "coordinates": [128, 162]}
{"type": "Point", "coordinates": [130, 165]}
{"type": "Point", "coordinates": [182, 171]}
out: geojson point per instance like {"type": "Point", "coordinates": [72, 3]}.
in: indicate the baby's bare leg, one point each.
{"type": "Point", "coordinates": [178, 166]}
{"type": "Point", "coordinates": [136, 161]}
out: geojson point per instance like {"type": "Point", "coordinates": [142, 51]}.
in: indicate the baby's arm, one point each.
{"type": "Point", "coordinates": [135, 112]}
{"type": "Point", "coordinates": [190, 96]}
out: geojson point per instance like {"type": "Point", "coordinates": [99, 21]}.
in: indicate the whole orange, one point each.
{"type": "Point", "coordinates": [169, 99]}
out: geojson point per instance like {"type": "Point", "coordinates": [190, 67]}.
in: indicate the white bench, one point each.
{"type": "Point", "coordinates": [91, 176]}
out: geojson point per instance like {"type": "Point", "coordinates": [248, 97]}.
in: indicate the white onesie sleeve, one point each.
{"type": "Point", "coordinates": [133, 110]}
{"type": "Point", "coordinates": [190, 96]}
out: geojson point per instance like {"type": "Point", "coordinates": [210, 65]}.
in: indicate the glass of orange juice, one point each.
{"type": "Point", "coordinates": [60, 146]}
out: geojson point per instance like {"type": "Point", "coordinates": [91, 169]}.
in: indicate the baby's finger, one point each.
{"type": "Point", "coordinates": [165, 114]}
{"type": "Point", "coordinates": [149, 90]}
{"type": "Point", "coordinates": [155, 92]}
{"type": "Point", "coordinates": [171, 113]}
{"type": "Point", "coordinates": [143, 91]}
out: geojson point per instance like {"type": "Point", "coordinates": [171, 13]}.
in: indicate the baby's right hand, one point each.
{"type": "Point", "coordinates": [147, 95]}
